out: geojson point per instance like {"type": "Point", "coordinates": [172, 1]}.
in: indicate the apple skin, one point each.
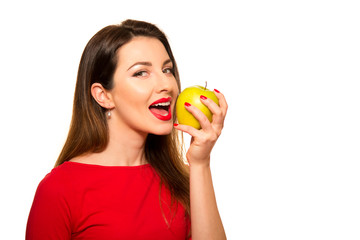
{"type": "Point", "coordinates": [192, 96]}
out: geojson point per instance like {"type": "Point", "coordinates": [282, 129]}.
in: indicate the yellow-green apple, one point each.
{"type": "Point", "coordinates": [192, 96]}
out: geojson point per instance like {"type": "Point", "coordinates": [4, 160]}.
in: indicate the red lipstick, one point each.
{"type": "Point", "coordinates": [161, 109]}
{"type": "Point", "coordinates": [161, 100]}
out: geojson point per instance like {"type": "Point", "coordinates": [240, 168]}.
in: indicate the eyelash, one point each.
{"type": "Point", "coordinates": [171, 70]}
{"type": "Point", "coordinates": [140, 73]}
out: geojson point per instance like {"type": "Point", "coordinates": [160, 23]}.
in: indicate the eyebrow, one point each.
{"type": "Point", "coordinates": [148, 63]}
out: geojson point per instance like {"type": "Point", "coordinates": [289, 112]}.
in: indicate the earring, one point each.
{"type": "Point", "coordinates": [108, 114]}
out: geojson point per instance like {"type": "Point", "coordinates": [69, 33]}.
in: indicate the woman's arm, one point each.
{"type": "Point", "coordinates": [205, 218]}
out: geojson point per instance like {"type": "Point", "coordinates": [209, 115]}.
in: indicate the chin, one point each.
{"type": "Point", "coordinates": [163, 129]}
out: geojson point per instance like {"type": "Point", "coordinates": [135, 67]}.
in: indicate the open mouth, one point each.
{"type": "Point", "coordinates": [161, 109]}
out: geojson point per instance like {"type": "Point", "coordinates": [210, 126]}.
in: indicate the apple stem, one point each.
{"type": "Point", "coordinates": [205, 84]}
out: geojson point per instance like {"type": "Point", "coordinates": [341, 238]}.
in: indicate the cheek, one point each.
{"type": "Point", "coordinates": [131, 92]}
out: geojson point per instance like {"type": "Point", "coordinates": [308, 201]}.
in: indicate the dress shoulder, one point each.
{"type": "Point", "coordinates": [50, 216]}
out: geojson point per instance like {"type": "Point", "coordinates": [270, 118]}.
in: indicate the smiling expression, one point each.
{"type": "Point", "coordinates": [145, 88]}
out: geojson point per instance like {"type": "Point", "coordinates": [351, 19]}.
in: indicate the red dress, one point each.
{"type": "Point", "coordinates": [83, 201]}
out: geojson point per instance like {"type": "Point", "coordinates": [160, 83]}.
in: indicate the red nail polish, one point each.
{"type": "Point", "coordinates": [216, 90]}
{"type": "Point", "coordinates": [187, 104]}
{"type": "Point", "coordinates": [175, 124]}
{"type": "Point", "coordinates": [203, 97]}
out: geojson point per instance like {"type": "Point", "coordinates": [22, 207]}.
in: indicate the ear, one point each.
{"type": "Point", "coordinates": [101, 96]}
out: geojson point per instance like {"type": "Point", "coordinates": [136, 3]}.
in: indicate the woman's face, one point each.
{"type": "Point", "coordinates": [145, 88]}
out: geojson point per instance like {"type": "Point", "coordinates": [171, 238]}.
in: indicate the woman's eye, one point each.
{"type": "Point", "coordinates": [140, 74]}
{"type": "Point", "coordinates": [168, 70]}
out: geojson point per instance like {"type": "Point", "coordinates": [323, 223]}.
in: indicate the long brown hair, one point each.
{"type": "Point", "coordinates": [89, 129]}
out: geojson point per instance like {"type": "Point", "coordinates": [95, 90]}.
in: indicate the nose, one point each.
{"type": "Point", "coordinates": [165, 83]}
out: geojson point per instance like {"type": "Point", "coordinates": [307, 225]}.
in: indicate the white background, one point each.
{"type": "Point", "coordinates": [287, 164]}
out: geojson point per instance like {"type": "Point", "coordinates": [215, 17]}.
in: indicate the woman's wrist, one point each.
{"type": "Point", "coordinates": [198, 164]}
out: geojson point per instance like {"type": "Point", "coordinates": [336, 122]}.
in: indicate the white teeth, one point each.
{"type": "Point", "coordinates": [162, 104]}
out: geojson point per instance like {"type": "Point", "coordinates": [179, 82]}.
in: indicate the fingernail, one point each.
{"type": "Point", "coordinates": [216, 90]}
{"type": "Point", "coordinates": [203, 97]}
{"type": "Point", "coordinates": [175, 124]}
{"type": "Point", "coordinates": [187, 104]}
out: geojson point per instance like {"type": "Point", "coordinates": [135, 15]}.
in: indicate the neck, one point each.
{"type": "Point", "coordinates": [125, 147]}
{"type": "Point", "coordinates": [125, 151]}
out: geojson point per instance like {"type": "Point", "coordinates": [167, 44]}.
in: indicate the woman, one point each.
{"type": "Point", "coordinates": [121, 174]}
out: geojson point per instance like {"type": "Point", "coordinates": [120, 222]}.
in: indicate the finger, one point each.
{"type": "Point", "coordinates": [218, 117]}
{"type": "Point", "coordinates": [199, 115]}
{"type": "Point", "coordinates": [187, 129]}
{"type": "Point", "coordinates": [222, 101]}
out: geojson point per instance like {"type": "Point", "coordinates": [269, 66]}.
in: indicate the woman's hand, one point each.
{"type": "Point", "coordinates": [205, 218]}
{"type": "Point", "coordinates": [203, 140]}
